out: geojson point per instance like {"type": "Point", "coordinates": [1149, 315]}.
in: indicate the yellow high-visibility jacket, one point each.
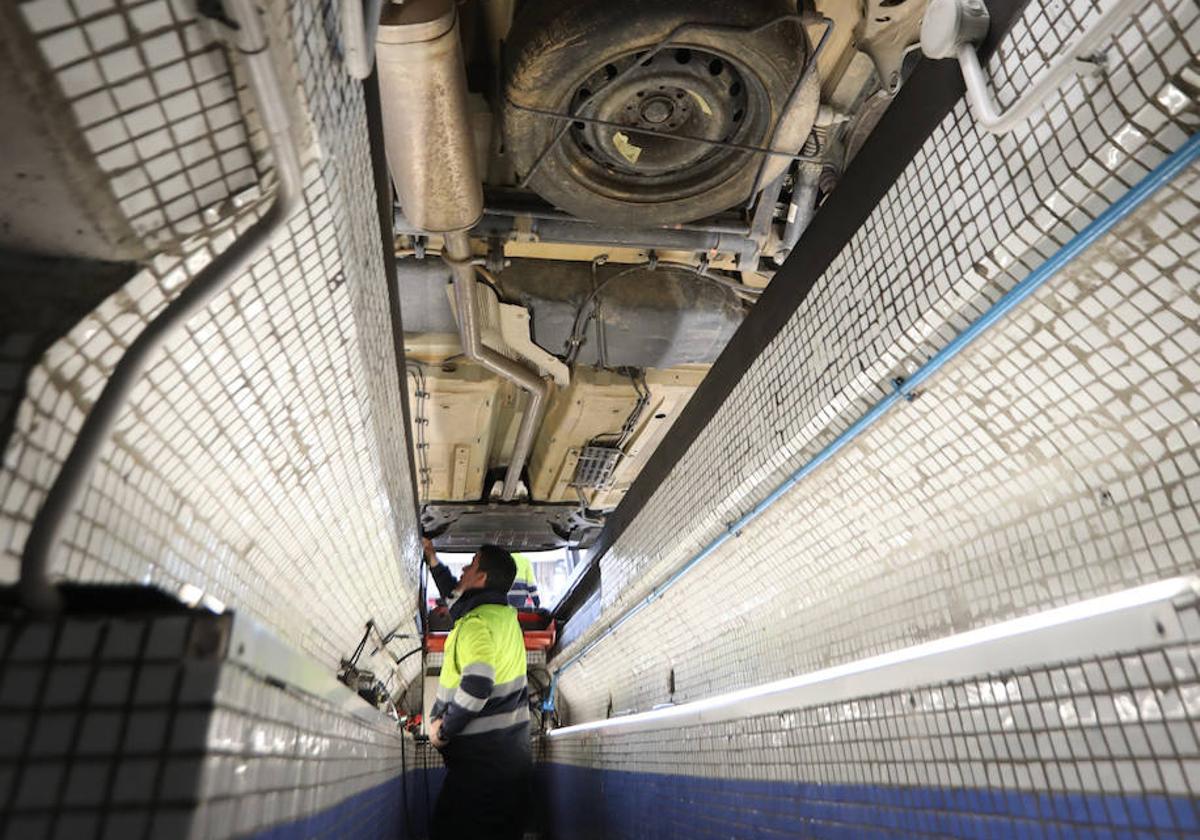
{"type": "Point", "coordinates": [482, 685]}
{"type": "Point", "coordinates": [524, 588]}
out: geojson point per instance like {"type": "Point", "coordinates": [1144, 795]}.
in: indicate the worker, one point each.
{"type": "Point", "coordinates": [523, 595]}
{"type": "Point", "coordinates": [480, 720]}
{"type": "Point", "coordinates": [524, 592]}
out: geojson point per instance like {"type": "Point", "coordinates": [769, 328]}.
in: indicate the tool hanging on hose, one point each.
{"type": "Point", "coordinates": [364, 682]}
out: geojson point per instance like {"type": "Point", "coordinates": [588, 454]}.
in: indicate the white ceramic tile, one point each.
{"type": "Point", "coordinates": [42, 15]}
{"type": "Point", "coordinates": [106, 32]}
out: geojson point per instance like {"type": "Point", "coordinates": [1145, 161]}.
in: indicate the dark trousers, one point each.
{"type": "Point", "coordinates": [486, 792]}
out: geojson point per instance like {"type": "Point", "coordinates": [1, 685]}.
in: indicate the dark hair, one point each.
{"type": "Point", "coordinates": [500, 567]}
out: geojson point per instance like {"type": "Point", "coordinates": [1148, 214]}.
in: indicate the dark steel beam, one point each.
{"type": "Point", "coordinates": [577, 232]}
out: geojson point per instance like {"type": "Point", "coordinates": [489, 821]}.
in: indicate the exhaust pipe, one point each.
{"type": "Point", "coordinates": [456, 251]}
{"type": "Point", "coordinates": [423, 86]}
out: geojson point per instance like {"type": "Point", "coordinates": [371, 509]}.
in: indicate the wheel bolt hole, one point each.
{"type": "Point", "coordinates": [716, 66]}
{"type": "Point", "coordinates": [683, 56]}
{"type": "Point", "coordinates": [735, 88]}
{"type": "Point", "coordinates": [641, 93]}
{"type": "Point", "coordinates": [679, 94]}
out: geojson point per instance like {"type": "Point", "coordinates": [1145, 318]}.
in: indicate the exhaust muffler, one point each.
{"type": "Point", "coordinates": [430, 151]}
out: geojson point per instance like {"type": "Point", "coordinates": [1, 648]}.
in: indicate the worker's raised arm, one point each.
{"type": "Point", "coordinates": [443, 578]}
{"type": "Point", "coordinates": [475, 652]}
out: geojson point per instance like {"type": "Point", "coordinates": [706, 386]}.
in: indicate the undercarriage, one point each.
{"type": "Point", "coordinates": [591, 196]}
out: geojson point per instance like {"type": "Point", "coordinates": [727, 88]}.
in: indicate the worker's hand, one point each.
{"type": "Point", "coordinates": [435, 734]}
{"type": "Point", "coordinates": [431, 559]}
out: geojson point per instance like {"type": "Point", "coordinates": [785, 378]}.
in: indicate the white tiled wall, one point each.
{"type": "Point", "coordinates": [1054, 460]}
{"type": "Point", "coordinates": [1043, 728]}
{"type": "Point", "coordinates": [1079, 748]}
{"type": "Point", "coordinates": [98, 714]}
{"type": "Point", "coordinates": [155, 102]}
{"type": "Point", "coordinates": [135, 726]}
{"type": "Point", "coordinates": [262, 462]}
{"type": "Point", "coordinates": [273, 756]}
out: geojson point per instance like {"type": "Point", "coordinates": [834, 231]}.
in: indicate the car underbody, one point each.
{"type": "Point", "coordinates": [621, 180]}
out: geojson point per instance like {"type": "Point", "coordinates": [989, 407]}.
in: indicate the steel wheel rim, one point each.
{"type": "Point", "coordinates": [685, 90]}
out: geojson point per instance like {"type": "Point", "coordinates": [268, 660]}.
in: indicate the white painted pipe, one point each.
{"type": "Point", "coordinates": [360, 23]}
{"type": "Point", "coordinates": [989, 117]}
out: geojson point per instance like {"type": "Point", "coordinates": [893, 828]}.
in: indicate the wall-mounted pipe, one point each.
{"type": "Point", "coordinates": [271, 100]}
{"type": "Point", "coordinates": [953, 28]}
{"type": "Point", "coordinates": [1163, 174]}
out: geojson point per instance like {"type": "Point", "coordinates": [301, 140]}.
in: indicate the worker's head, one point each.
{"type": "Point", "coordinates": [491, 568]}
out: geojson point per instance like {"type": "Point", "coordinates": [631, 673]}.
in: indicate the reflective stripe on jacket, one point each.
{"type": "Point", "coordinates": [482, 684]}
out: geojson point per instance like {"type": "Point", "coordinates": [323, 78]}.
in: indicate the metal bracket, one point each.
{"type": "Point", "coordinates": [953, 28]}
{"type": "Point", "coordinates": [258, 650]}
{"type": "Point", "coordinates": [898, 387]}
{"type": "Point", "coordinates": [887, 32]}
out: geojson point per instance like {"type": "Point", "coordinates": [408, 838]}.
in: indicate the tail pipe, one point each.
{"type": "Point", "coordinates": [456, 250]}
{"type": "Point", "coordinates": [431, 154]}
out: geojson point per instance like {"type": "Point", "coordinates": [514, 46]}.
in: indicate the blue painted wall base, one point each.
{"type": "Point", "coordinates": [579, 803]}
{"type": "Point", "coordinates": [398, 809]}
{"type": "Point", "coordinates": [582, 803]}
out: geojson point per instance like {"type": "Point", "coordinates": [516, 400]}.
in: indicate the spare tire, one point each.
{"type": "Point", "coordinates": [715, 81]}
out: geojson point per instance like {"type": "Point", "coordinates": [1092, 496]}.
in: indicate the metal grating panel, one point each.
{"type": "Point", "coordinates": [595, 467]}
